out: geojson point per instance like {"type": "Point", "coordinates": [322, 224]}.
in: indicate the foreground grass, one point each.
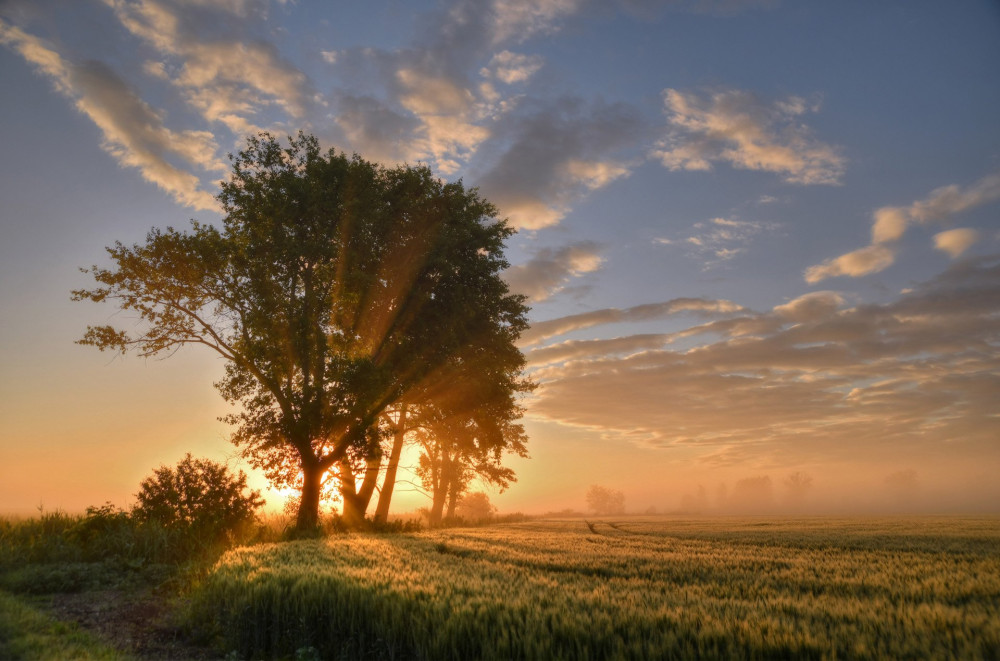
{"type": "Point", "coordinates": [626, 588]}
{"type": "Point", "coordinates": [26, 633]}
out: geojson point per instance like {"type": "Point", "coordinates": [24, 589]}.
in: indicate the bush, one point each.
{"type": "Point", "coordinates": [199, 499]}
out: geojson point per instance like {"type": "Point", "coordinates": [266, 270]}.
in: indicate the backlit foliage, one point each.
{"type": "Point", "coordinates": [199, 495]}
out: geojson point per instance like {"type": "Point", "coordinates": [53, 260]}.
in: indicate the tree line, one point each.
{"type": "Point", "coordinates": [356, 306]}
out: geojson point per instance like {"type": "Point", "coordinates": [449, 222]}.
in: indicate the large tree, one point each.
{"type": "Point", "coordinates": [335, 289]}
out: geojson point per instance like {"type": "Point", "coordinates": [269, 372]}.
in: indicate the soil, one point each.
{"type": "Point", "coordinates": [135, 623]}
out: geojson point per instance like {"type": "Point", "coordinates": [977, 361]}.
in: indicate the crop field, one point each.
{"type": "Point", "coordinates": [638, 588]}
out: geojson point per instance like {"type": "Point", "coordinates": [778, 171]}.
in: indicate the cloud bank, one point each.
{"type": "Point", "coordinates": [812, 380]}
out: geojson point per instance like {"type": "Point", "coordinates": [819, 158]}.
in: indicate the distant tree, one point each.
{"type": "Point", "coordinates": [334, 288]}
{"type": "Point", "coordinates": [721, 496]}
{"type": "Point", "coordinates": [695, 503]}
{"type": "Point", "coordinates": [903, 481]}
{"type": "Point", "coordinates": [604, 501]}
{"type": "Point", "coordinates": [198, 496]}
{"type": "Point", "coordinates": [475, 506]}
{"type": "Point", "coordinates": [752, 494]}
{"type": "Point", "coordinates": [797, 487]}
{"type": "Point", "coordinates": [903, 487]}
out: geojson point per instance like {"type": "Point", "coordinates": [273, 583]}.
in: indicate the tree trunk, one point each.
{"type": "Point", "coordinates": [356, 500]}
{"type": "Point", "coordinates": [308, 516]}
{"type": "Point", "coordinates": [385, 497]}
{"type": "Point", "coordinates": [441, 482]}
{"type": "Point", "coordinates": [369, 483]}
{"type": "Point", "coordinates": [351, 517]}
{"type": "Point", "coordinates": [437, 508]}
{"type": "Point", "coordinates": [453, 489]}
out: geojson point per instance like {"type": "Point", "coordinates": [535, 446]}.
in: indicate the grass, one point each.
{"type": "Point", "coordinates": [26, 633]}
{"type": "Point", "coordinates": [624, 588]}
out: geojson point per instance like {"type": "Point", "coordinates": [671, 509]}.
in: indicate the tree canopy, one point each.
{"type": "Point", "coordinates": [335, 289]}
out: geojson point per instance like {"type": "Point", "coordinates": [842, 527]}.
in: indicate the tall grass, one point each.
{"type": "Point", "coordinates": [627, 588]}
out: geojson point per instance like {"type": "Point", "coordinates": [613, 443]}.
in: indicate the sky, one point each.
{"type": "Point", "coordinates": [759, 238]}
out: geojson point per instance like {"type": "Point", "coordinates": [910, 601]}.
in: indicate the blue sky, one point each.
{"type": "Point", "coordinates": [759, 237]}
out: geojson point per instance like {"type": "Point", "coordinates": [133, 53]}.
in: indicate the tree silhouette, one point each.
{"type": "Point", "coordinates": [602, 500]}
{"type": "Point", "coordinates": [797, 486]}
{"type": "Point", "coordinates": [334, 289]}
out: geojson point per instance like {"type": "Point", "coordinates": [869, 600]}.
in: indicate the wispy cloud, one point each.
{"type": "Point", "coordinates": [517, 20]}
{"type": "Point", "coordinates": [719, 239]}
{"type": "Point", "coordinates": [133, 132]}
{"type": "Point", "coordinates": [228, 80]}
{"type": "Point", "coordinates": [454, 98]}
{"type": "Point", "coordinates": [510, 68]}
{"type": "Point", "coordinates": [736, 127]}
{"type": "Point", "coordinates": [702, 307]}
{"type": "Point", "coordinates": [889, 224]}
{"type": "Point", "coordinates": [553, 156]}
{"type": "Point", "coordinates": [812, 378]}
{"type": "Point", "coordinates": [548, 271]}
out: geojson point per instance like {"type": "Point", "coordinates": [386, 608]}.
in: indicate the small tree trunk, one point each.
{"type": "Point", "coordinates": [356, 500]}
{"type": "Point", "coordinates": [350, 516]}
{"type": "Point", "coordinates": [308, 516]}
{"type": "Point", "coordinates": [453, 489]}
{"type": "Point", "coordinates": [389, 484]}
{"type": "Point", "coordinates": [353, 515]}
{"type": "Point", "coordinates": [368, 484]}
{"type": "Point", "coordinates": [437, 507]}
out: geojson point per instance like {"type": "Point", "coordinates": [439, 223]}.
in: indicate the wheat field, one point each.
{"type": "Point", "coordinates": [630, 588]}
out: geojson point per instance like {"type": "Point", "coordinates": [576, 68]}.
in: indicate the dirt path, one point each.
{"type": "Point", "coordinates": [136, 623]}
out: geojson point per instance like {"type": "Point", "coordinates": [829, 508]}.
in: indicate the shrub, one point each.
{"type": "Point", "coordinates": [200, 499]}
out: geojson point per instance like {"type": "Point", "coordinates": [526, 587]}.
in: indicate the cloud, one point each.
{"type": "Point", "coordinates": [444, 109]}
{"type": "Point", "coordinates": [229, 80]}
{"type": "Point", "coordinates": [460, 85]}
{"type": "Point", "coordinates": [544, 330]}
{"type": "Point", "coordinates": [552, 156]}
{"type": "Point", "coordinates": [889, 224]}
{"type": "Point", "coordinates": [951, 200]}
{"type": "Point", "coordinates": [721, 8]}
{"type": "Point", "coordinates": [520, 19]}
{"type": "Point", "coordinates": [814, 382]}
{"type": "Point", "coordinates": [864, 261]}
{"type": "Point", "coordinates": [956, 241]}
{"type": "Point", "coordinates": [133, 132]}
{"type": "Point", "coordinates": [547, 272]}
{"type": "Point", "coordinates": [735, 127]}
{"type": "Point", "coordinates": [384, 133]}
{"type": "Point", "coordinates": [510, 68]}
{"type": "Point", "coordinates": [720, 239]}
{"type": "Point", "coordinates": [452, 82]}
{"type": "Point", "coordinates": [811, 307]}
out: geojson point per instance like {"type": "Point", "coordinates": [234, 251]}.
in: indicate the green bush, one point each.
{"type": "Point", "coordinates": [200, 500]}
